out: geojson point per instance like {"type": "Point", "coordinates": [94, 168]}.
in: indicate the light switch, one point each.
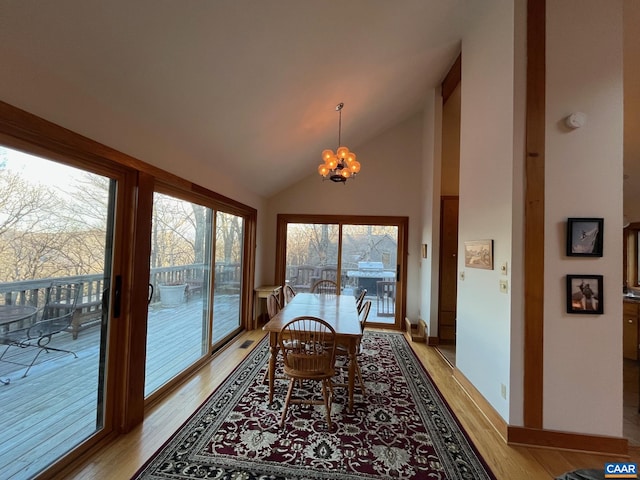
{"type": "Point", "coordinates": [504, 286]}
{"type": "Point", "coordinates": [503, 268]}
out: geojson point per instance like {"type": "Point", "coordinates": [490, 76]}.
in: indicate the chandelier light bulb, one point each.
{"type": "Point", "coordinates": [327, 154]}
{"type": "Point", "coordinates": [323, 170]}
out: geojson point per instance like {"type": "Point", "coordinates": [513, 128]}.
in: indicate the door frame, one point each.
{"type": "Point", "coordinates": [403, 230]}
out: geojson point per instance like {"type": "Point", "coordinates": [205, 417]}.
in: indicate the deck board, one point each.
{"type": "Point", "coordinates": [53, 408]}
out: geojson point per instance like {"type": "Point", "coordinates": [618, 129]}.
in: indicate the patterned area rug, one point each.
{"type": "Point", "coordinates": [401, 429]}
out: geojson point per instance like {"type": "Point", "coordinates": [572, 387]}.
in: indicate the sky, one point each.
{"type": "Point", "coordinates": [37, 170]}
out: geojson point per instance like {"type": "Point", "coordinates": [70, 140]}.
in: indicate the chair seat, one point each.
{"type": "Point", "coordinates": [309, 376]}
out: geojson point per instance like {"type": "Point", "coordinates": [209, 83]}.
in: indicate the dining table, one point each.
{"type": "Point", "coordinates": [15, 314]}
{"type": "Point", "coordinates": [339, 311]}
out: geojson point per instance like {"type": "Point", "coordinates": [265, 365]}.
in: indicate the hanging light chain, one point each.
{"type": "Point", "coordinates": [339, 109]}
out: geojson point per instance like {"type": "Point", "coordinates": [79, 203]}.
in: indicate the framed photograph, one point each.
{"type": "Point", "coordinates": [584, 294]}
{"type": "Point", "coordinates": [478, 254]}
{"type": "Point", "coordinates": [584, 237]}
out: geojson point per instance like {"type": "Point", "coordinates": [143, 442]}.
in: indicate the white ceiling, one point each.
{"type": "Point", "coordinates": [248, 85]}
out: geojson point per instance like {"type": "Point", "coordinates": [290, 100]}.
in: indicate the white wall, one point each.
{"type": "Point", "coordinates": [583, 353]}
{"type": "Point", "coordinates": [83, 112]}
{"type": "Point", "coordinates": [486, 198]}
{"type": "Point", "coordinates": [388, 184]}
{"type": "Point", "coordinates": [430, 216]}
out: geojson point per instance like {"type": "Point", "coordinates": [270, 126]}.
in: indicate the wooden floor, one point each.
{"type": "Point", "coordinates": [631, 415]}
{"type": "Point", "coordinates": [631, 394]}
{"type": "Point", "coordinates": [124, 456]}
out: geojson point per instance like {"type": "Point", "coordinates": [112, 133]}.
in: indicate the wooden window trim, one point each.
{"type": "Point", "coordinates": [125, 403]}
{"type": "Point", "coordinates": [402, 222]}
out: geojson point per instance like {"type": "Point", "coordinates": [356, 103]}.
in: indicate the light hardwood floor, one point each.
{"type": "Point", "coordinates": [122, 457]}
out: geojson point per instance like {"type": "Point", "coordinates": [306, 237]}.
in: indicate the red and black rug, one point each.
{"type": "Point", "coordinates": [401, 429]}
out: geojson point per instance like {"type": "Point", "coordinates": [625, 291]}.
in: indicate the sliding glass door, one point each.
{"type": "Point", "coordinates": [178, 314]}
{"type": "Point", "coordinates": [56, 240]}
{"type": "Point", "coordinates": [357, 256]}
{"type": "Point", "coordinates": [369, 263]}
{"type": "Point", "coordinates": [228, 276]}
{"type": "Point", "coordinates": [186, 318]}
{"type": "Point", "coordinates": [312, 254]}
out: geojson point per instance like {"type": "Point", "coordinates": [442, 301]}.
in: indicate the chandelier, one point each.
{"type": "Point", "coordinates": [339, 166]}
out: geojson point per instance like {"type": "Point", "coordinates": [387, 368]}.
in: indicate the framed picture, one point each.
{"type": "Point", "coordinates": [584, 294]}
{"type": "Point", "coordinates": [584, 237]}
{"type": "Point", "coordinates": [478, 254]}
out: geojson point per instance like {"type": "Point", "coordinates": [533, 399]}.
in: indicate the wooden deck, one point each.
{"type": "Point", "coordinates": [53, 408]}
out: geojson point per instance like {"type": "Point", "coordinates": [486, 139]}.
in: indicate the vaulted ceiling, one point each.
{"type": "Point", "coordinates": [247, 85]}
{"type": "Point", "coordinates": [250, 85]}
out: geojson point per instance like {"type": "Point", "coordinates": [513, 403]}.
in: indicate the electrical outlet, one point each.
{"type": "Point", "coordinates": [503, 391]}
{"type": "Point", "coordinates": [504, 286]}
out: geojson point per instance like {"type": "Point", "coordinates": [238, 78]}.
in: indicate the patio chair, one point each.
{"type": "Point", "coordinates": [325, 286]}
{"type": "Point", "coordinates": [37, 330]}
{"type": "Point", "coordinates": [309, 353]}
{"type": "Point", "coordinates": [303, 280]}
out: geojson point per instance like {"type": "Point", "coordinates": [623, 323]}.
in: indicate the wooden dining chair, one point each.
{"type": "Point", "coordinates": [273, 305]}
{"type": "Point", "coordinates": [342, 352]}
{"type": "Point", "coordinates": [289, 293]}
{"type": "Point", "coordinates": [309, 353]}
{"type": "Point", "coordinates": [325, 286]}
{"type": "Point", "coordinates": [360, 299]}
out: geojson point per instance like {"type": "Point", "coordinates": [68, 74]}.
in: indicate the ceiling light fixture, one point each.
{"type": "Point", "coordinates": [339, 166]}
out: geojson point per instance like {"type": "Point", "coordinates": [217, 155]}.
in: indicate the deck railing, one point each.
{"type": "Point", "coordinates": [32, 292]}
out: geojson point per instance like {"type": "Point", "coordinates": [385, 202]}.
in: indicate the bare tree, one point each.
{"type": "Point", "coordinates": [25, 212]}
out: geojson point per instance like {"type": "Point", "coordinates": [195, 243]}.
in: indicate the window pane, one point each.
{"type": "Point", "coordinates": [369, 259]}
{"type": "Point", "coordinates": [55, 222]}
{"type": "Point", "coordinates": [228, 278]}
{"type": "Point", "coordinates": [178, 318]}
{"type": "Point", "coordinates": [312, 254]}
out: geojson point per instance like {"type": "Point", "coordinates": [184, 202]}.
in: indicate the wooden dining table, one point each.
{"type": "Point", "coordinates": [339, 311]}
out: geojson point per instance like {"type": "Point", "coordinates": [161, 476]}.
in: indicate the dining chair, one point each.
{"type": "Point", "coordinates": [342, 352]}
{"type": "Point", "coordinates": [309, 353]}
{"type": "Point", "coordinates": [325, 286]}
{"type": "Point", "coordinates": [289, 293]}
{"type": "Point", "coordinates": [360, 299]}
{"type": "Point", "coordinates": [273, 305]}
